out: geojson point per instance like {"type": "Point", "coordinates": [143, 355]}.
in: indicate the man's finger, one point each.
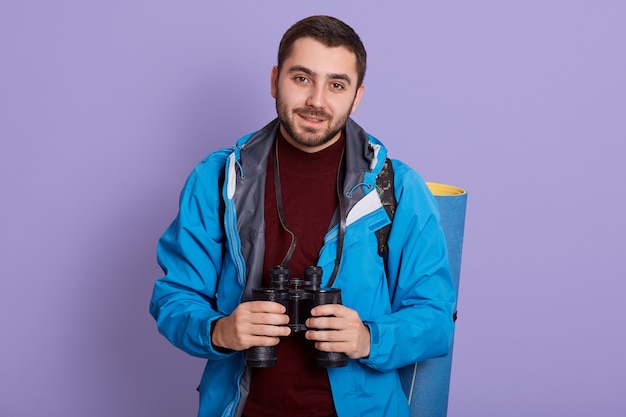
{"type": "Point", "coordinates": [264, 307]}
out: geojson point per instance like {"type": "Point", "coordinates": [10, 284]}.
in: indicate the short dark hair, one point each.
{"type": "Point", "coordinates": [330, 31]}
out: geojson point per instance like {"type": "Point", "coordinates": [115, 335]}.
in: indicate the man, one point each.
{"type": "Point", "coordinates": [302, 191]}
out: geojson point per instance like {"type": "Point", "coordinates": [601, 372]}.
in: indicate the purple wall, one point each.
{"type": "Point", "coordinates": [105, 107]}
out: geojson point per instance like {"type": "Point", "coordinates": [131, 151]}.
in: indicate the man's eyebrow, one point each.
{"type": "Point", "coordinates": [308, 71]}
{"type": "Point", "coordinates": [300, 68]}
{"type": "Point", "coordinates": [343, 77]}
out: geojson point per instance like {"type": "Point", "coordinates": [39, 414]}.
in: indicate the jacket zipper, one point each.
{"type": "Point", "coordinates": [230, 227]}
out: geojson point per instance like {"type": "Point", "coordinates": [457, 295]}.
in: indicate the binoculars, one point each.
{"type": "Point", "coordinates": [299, 296]}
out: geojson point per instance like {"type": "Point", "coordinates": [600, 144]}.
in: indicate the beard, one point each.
{"type": "Point", "coordinates": [309, 136]}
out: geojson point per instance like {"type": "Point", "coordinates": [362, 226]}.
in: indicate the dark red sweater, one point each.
{"type": "Point", "coordinates": [296, 386]}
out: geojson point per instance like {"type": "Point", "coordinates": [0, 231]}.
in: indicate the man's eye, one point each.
{"type": "Point", "coordinates": [337, 86]}
{"type": "Point", "coordinates": [302, 79]}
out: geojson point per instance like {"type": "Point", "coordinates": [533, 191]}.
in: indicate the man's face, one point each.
{"type": "Point", "coordinates": [315, 93]}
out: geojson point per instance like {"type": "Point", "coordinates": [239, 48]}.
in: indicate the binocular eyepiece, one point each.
{"type": "Point", "coordinates": [299, 296]}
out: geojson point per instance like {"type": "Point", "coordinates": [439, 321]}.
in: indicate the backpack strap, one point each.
{"type": "Point", "coordinates": [384, 185]}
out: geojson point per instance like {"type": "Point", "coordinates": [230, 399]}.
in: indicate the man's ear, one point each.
{"type": "Point", "coordinates": [357, 98]}
{"type": "Point", "coordinates": [274, 81]}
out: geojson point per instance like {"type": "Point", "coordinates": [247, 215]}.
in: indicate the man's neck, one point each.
{"type": "Point", "coordinates": [306, 148]}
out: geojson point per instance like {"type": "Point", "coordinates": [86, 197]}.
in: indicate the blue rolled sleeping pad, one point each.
{"type": "Point", "coordinates": [427, 384]}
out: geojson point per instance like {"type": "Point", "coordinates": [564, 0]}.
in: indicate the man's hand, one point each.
{"type": "Point", "coordinates": [254, 323]}
{"type": "Point", "coordinates": [341, 330]}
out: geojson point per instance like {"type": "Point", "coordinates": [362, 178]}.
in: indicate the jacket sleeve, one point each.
{"type": "Point", "coordinates": [190, 255]}
{"type": "Point", "coordinates": [422, 293]}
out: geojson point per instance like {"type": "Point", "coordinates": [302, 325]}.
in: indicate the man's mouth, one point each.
{"type": "Point", "coordinates": [312, 117]}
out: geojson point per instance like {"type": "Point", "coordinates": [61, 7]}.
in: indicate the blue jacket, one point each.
{"type": "Point", "coordinates": [212, 256]}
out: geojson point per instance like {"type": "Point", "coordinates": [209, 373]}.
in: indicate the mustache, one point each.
{"type": "Point", "coordinates": [312, 112]}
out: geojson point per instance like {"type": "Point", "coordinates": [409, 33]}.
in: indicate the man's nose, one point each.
{"type": "Point", "coordinates": [317, 97]}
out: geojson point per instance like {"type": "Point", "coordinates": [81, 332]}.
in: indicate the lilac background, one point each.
{"type": "Point", "coordinates": [106, 106]}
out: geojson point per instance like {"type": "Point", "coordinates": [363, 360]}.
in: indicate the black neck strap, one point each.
{"type": "Point", "coordinates": [281, 211]}
{"type": "Point", "coordinates": [342, 221]}
{"type": "Point", "coordinates": [283, 221]}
